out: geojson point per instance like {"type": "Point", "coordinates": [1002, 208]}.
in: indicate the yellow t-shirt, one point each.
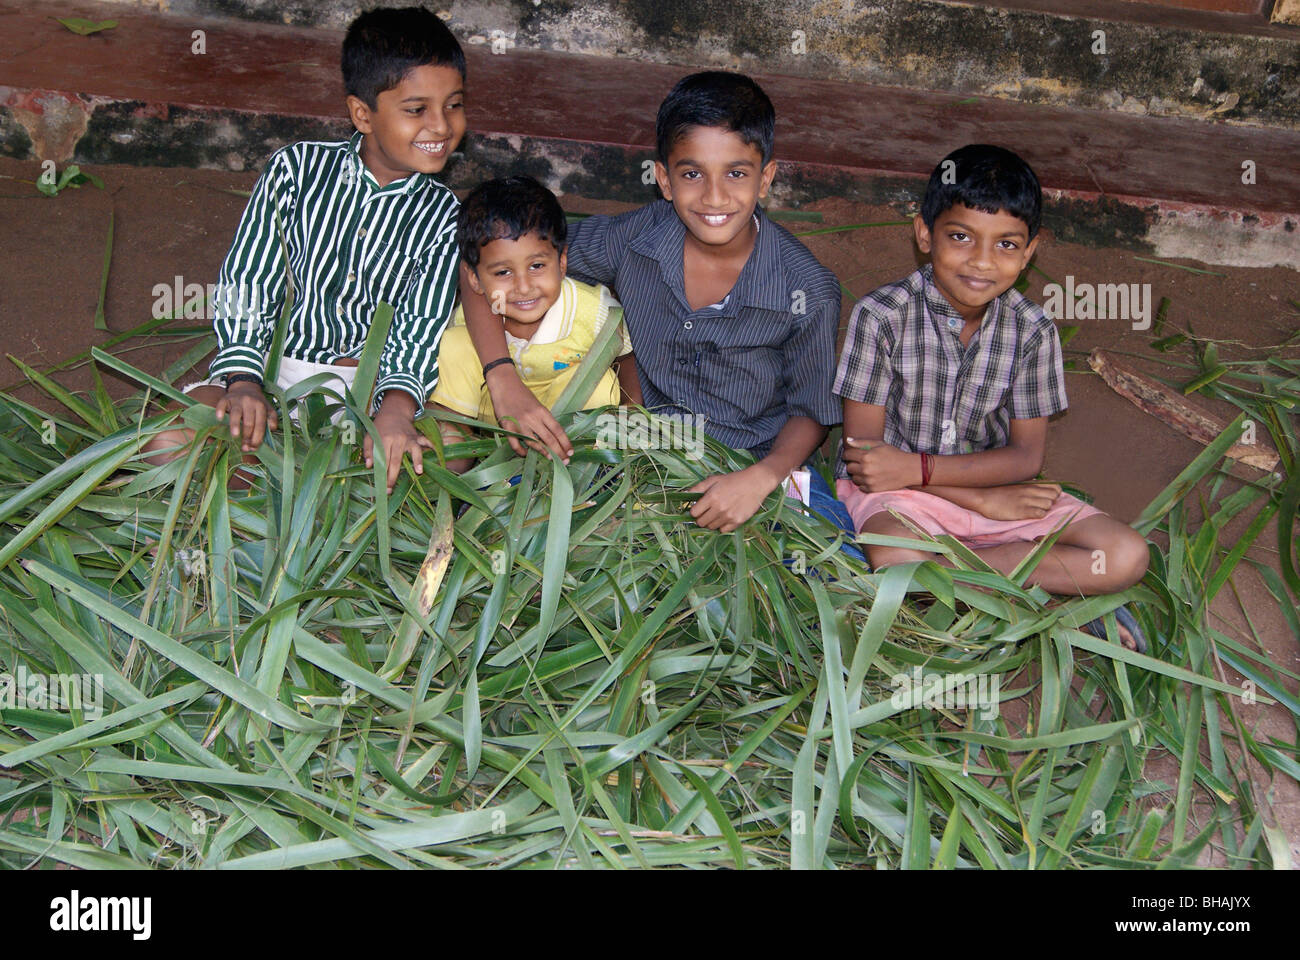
{"type": "Point", "coordinates": [546, 363]}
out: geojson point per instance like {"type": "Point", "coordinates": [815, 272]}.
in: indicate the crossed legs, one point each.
{"type": "Point", "coordinates": [1098, 555]}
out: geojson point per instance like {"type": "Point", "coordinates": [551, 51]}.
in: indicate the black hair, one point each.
{"type": "Point", "coordinates": [506, 209]}
{"type": "Point", "coordinates": [716, 98]}
{"type": "Point", "coordinates": [986, 178]}
{"type": "Point", "coordinates": [383, 45]}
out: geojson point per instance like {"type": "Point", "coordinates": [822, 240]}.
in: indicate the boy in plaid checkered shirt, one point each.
{"type": "Point", "coordinates": [948, 378]}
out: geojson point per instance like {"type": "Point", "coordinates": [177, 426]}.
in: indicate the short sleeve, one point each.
{"type": "Point", "coordinates": [865, 369]}
{"type": "Point", "coordinates": [460, 379]}
{"type": "Point", "coordinates": [1038, 389]}
{"type": "Point", "coordinates": [591, 253]}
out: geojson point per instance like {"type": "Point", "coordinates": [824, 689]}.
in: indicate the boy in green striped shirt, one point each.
{"type": "Point", "coordinates": [355, 223]}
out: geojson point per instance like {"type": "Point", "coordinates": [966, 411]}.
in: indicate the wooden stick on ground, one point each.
{"type": "Point", "coordinates": [1169, 407]}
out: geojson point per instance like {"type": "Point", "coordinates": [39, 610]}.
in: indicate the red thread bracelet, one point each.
{"type": "Point", "coordinates": [927, 467]}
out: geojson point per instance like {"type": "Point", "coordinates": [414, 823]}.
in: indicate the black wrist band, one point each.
{"type": "Point", "coordinates": [234, 378]}
{"type": "Point", "coordinates": [496, 363]}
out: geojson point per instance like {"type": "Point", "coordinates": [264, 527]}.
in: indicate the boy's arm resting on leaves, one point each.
{"type": "Point", "coordinates": [408, 367]}
{"type": "Point", "coordinates": [794, 444]}
{"type": "Point", "coordinates": [808, 358]}
{"type": "Point", "coordinates": [395, 424]}
{"type": "Point", "coordinates": [729, 499]}
{"type": "Point", "coordinates": [515, 405]}
{"type": "Point", "coordinates": [250, 295]}
{"type": "Point", "coordinates": [251, 414]}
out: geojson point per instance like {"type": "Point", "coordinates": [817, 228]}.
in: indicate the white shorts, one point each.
{"type": "Point", "coordinates": [296, 371]}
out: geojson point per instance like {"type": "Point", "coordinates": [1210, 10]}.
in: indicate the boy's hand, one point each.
{"type": "Point", "coordinates": [397, 433]}
{"type": "Point", "coordinates": [1018, 501]}
{"type": "Point", "coordinates": [732, 498]}
{"type": "Point", "coordinates": [517, 409]}
{"type": "Point", "coordinates": [250, 414]}
{"type": "Point", "coordinates": [876, 467]}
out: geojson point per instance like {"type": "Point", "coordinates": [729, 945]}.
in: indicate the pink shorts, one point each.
{"type": "Point", "coordinates": [937, 516]}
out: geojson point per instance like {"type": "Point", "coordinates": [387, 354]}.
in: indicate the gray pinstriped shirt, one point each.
{"type": "Point", "coordinates": [903, 353]}
{"type": "Point", "coordinates": [350, 244]}
{"type": "Point", "coordinates": [763, 355]}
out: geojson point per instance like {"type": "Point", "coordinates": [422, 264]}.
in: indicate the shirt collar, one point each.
{"type": "Point", "coordinates": [409, 184]}
{"type": "Point", "coordinates": [943, 312]}
{"type": "Point", "coordinates": [757, 285]}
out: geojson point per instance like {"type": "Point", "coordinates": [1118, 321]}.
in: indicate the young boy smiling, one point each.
{"type": "Point", "coordinates": [512, 235]}
{"type": "Point", "coordinates": [354, 223]}
{"type": "Point", "coordinates": [731, 317]}
{"type": "Point", "coordinates": [948, 378]}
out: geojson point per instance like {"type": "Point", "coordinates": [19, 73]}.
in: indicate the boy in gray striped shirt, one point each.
{"type": "Point", "coordinates": [354, 223]}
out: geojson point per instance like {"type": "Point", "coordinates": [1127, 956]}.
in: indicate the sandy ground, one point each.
{"type": "Point", "coordinates": [171, 222]}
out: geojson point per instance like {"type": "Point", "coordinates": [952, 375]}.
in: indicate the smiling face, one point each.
{"type": "Point", "coordinates": [415, 126]}
{"type": "Point", "coordinates": [976, 256]}
{"type": "Point", "coordinates": [714, 180]}
{"type": "Point", "coordinates": [521, 280]}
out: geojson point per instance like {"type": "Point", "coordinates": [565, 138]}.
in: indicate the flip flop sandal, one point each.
{"type": "Point", "coordinates": [1125, 619]}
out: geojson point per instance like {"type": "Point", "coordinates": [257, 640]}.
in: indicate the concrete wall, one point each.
{"type": "Point", "coordinates": [1163, 69]}
{"type": "Point", "coordinates": [1260, 7]}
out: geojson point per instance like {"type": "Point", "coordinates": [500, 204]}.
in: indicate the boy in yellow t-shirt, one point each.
{"type": "Point", "coordinates": [512, 235]}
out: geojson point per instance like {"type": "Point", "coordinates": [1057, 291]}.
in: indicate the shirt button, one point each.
{"type": "Point", "coordinates": [339, 310]}
{"type": "Point", "coordinates": [687, 325]}
{"type": "Point", "coordinates": [361, 232]}
{"type": "Point", "coordinates": [681, 362]}
{"type": "Point", "coordinates": [352, 278]}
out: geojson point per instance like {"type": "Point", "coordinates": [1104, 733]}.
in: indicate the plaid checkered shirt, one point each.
{"type": "Point", "coordinates": [903, 352]}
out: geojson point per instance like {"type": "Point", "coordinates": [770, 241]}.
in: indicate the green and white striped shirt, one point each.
{"type": "Point", "coordinates": [349, 244]}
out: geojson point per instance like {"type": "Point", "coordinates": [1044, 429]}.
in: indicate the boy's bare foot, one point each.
{"type": "Point", "coordinates": [1019, 501]}
{"type": "Point", "coordinates": [172, 443]}
{"type": "Point", "coordinates": [1130, 634]}
{"type": "Point", "coordinates": [513, 401]}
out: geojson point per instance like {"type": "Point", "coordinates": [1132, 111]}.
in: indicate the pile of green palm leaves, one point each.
{"type": "Point", "coordinates": [564, 671]}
